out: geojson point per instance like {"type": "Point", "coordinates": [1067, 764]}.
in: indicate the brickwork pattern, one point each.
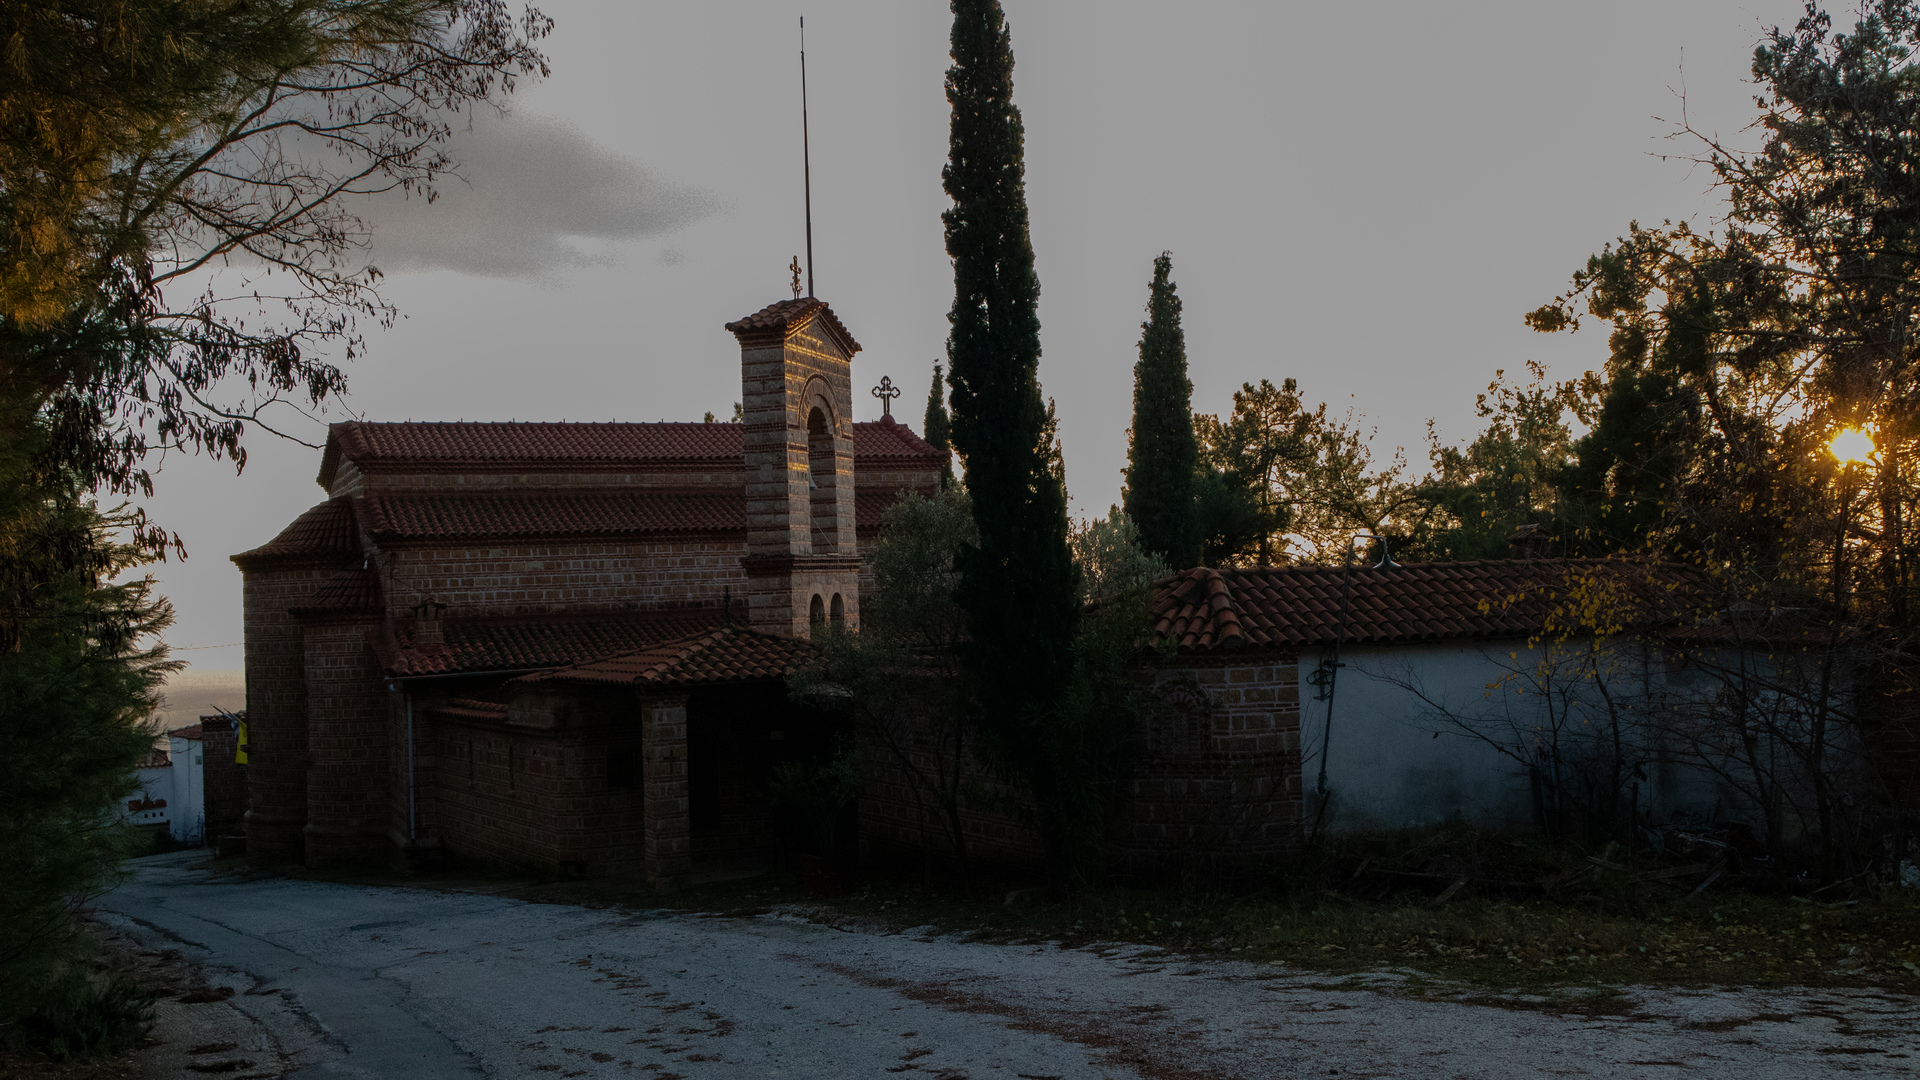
{"type": "Point", "coordinates": [1219, 778]}
{"type": "Point", "coordinates": [535, 578]}
{"type": "Point", "coordinates": [275, 654]}
{"type": "Point", "coordinates": [535, 791]}
{"type": "Point", "coordinates": [1216, 781]}
{"type": "Point", "coordinates": [225, 797]}
{"type": "Point", "coordinates": [669, 844]}
{"type": "Point", "coordinates": [349, 747]}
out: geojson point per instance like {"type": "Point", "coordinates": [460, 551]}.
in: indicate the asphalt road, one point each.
{"type": "Point", "coordinates": [368, 981]}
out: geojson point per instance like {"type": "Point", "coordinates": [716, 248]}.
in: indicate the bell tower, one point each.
{"type": "Point", "coordinates": [796, 373]}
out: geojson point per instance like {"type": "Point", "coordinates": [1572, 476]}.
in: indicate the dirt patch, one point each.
{"type": "Point", "coordinates": [1121, 1048]}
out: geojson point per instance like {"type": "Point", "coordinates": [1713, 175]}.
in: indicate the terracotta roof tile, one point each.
{"type": "Point", "coordinates": [469, 709]}
{"type": "Point", "coordinates": [552, 514]}
{"type": "Point", "coordinates": [326, 532]}
{"type": "Point", "coordinates": [481, 645]}
{"type": "Point", "coordinates": [723, 654]}
{"type": "Point", "coordinates": [347, 592]}
{"type": "Point", "coordinates": [523, 515]}
{"type": "Point", "coordinates": [516, 444]}
{"type": "Point", "coordinates": [1284, 607]}
{"type": "Point", "coordinates": [783, 315]}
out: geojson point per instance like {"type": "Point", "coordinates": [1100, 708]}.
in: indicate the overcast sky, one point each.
{"type": "Point", "coordinates": [1366, 197]}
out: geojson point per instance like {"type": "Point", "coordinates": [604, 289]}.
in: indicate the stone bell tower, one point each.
{"type": "Point", "coordinates": [796, 372]}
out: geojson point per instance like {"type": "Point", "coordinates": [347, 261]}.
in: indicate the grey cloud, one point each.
{"type": "Point", "coordinates": [535, 195]}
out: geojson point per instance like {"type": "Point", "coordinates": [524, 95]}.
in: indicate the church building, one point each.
{"type": "Point", "coordinates": [563, 645]}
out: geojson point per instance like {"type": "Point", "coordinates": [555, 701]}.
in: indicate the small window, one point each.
{"type": "Point", "coordinates": [839, 612]}
{"type": "Point", "coordinates": [816, 611]}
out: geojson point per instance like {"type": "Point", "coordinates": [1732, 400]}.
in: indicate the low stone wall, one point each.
{"type": "Point", "coordinates": [225, 779]}
{"type": "Point", "coordinates": [1215, 780]}
{"type": "Point", "coordinates": [514, 794]}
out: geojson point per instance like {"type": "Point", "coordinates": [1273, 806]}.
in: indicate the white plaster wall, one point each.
{"type": "Point", "coordinates": [1394, 763]}
{"type": "Point", "coordinates": [189, 799]}
{"type": "Point", "coordinates": [156, 785]}
{"type": "Point", "coordinates": [1387, 768]}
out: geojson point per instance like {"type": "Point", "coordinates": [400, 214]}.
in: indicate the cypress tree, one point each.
{"type": "Point", "coordinates": [939, 429]}
{"type": "Point", "coordinates": [1017, 585]}
{"type": "Point", "coordinates": [1162, 453]}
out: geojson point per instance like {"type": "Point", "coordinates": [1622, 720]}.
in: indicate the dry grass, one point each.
{"type": "Point", "coordinates": [1531, 915]}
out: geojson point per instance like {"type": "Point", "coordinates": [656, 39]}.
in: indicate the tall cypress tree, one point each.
{"type": "Point", "coordinates": [1017, 586]}
{"type": "Point", "coordinates": [1163, 453]}
{"type": "Point", "coordinates": [939, 430]}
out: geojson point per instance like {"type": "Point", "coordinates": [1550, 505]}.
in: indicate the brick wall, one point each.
{"type": "Point", "coordinates": [277, 707]}
{"type": "Point", "coordinates": [664, 783]}
{"type": "Point", "coordinates": [226, 780]}
{"type": "Point", "coordinates": [507, 579]}
{"type": "Point", "coordinates": [1215, 780]}
{"type": "Point", "coordinates": [533, 791]}
{"type": "Point", "coordinates": [349, 808]}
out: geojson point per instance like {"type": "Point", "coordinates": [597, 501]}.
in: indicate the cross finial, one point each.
{"type": "Point", "coordinates": [796, 276]}
{"type": "Point", "coordinates": [886, 392]}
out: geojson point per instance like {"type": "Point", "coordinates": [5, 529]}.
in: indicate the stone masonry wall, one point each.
{"type": "Point", "coordinates": [277, 708]}
{"type": "Point", "coordinates": [1218, 774]}
{"type": "Point", "coordinates": [538, 797]}
{"type": "Point", "coordinates": [349, 811]}
{"type": "Point", "coordinates": [1215, 780]}
{"type": "Point", "coordinates": [509, 579]}
{"type": "Point", "coordinates": [225, 780]}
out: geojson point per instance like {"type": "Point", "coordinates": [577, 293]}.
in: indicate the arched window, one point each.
{"type": "Point", "coordinates": [816, 612]}
{"type": "Point", "coordinates": [838, 612]}
{"type": "Point", "coordinates": [824, 508]}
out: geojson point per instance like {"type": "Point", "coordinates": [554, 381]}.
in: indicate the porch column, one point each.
{"type": "Point", "coordinates": [663, 748]}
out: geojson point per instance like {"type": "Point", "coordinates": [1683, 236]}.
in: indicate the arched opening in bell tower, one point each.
{"type": "Point", "coordinates": [821, 483]}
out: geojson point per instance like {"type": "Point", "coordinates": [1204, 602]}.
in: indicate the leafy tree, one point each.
{"type": "Point", "coordinates": [1162, 453]}
{"type": "Point", "coordinates": [1017, 583]}
{"type": "Point", "coordinates": [1303, 482]}
{"type": "Point", "coordinates": [175, 222]}
{"type": "Point", "coordinates": [1511, 475]}
{"type": "Point", "coordinates": [939, 428]}
{"type": "Point", "coordinates": [1737, 354]}
{"type": "Point", "coordinates": [1113, 560]}
{"type": "Point", "coordinates": [1246, 459]}
{"type": "Point", "coordinates": [896, 673]}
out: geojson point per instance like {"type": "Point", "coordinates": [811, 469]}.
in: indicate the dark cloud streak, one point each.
{"type": "Point", "coordinates": [534, 196]}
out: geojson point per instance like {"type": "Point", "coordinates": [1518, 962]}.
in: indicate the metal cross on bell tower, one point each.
{"type": "Point", "coordinates": [886, 392]}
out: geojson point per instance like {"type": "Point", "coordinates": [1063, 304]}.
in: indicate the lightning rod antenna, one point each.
{"type": "Point", "coordinates": [806, 160]}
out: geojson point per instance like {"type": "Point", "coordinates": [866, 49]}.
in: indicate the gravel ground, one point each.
{"type": "Point", "coordinates": [348, 980]}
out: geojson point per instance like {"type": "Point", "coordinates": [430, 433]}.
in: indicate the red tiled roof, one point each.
{"type": "Point", "coordinates": [193, 732]}
{"type": "Point", "coordinates": [1283, 607]}
{"type": "Point", "coordinates": [725, 654]}
{"type": "Point", "coordinates": [348, 591]}
{"type": "Point", "coordinates": [322, 533]}
{"type": "Point", "coordinates": [481, 645]}
{"type": "Point", "coordinates": [516, 444]}
{"type": "Point", "coordinates": [553, 514]}
{"type": "Point", "coordinates": [525, 515]}
{"type": "Point", "coordinates": [777, 318]}
{"type": "Point", "coordinates": [470, 709]}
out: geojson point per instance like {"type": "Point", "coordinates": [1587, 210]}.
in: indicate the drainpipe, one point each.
{"type": "Point", "coordinates": [413, 783]}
